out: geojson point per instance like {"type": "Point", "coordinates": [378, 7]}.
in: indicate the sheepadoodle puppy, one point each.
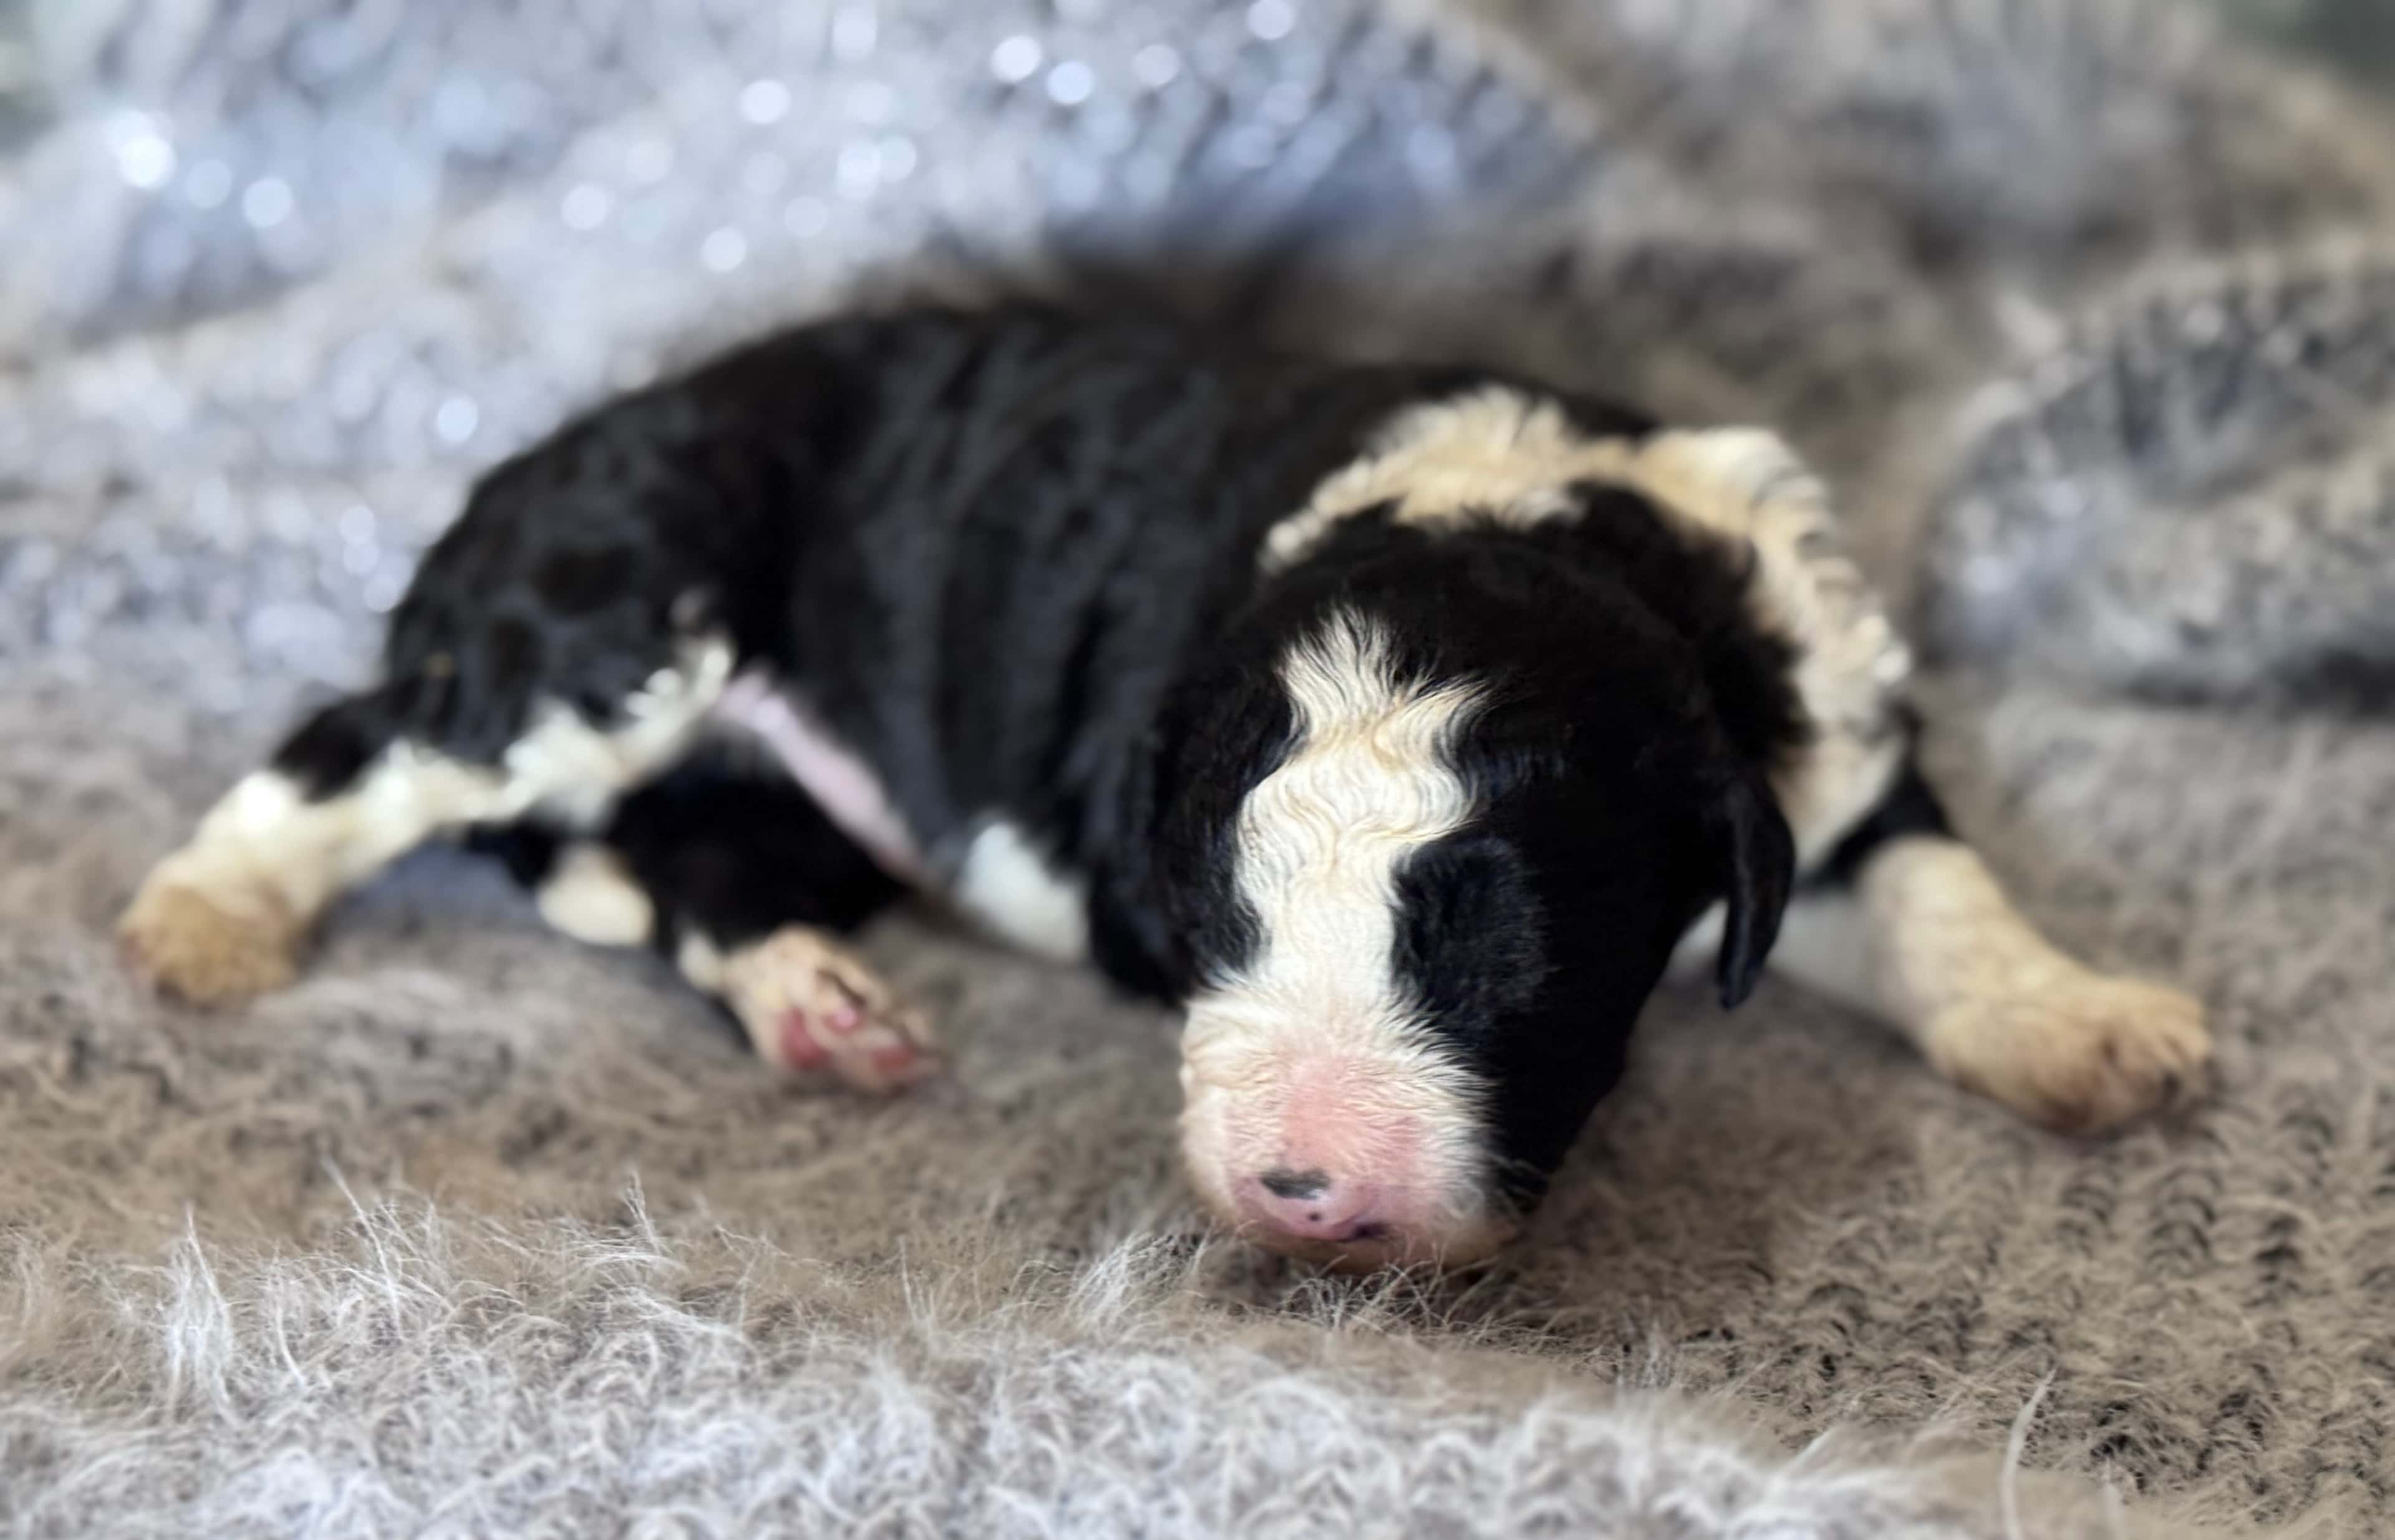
{"type": "Point", "coordinates": [1400, 726]}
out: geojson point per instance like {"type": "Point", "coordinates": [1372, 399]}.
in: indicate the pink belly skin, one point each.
{"type": "Point", "coordinates": [830, 773]}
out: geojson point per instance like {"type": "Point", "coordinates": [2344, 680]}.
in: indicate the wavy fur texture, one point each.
{"type": "Point", "coordinates": [420, 1374]}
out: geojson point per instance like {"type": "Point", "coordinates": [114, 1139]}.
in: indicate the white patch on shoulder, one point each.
{"type": "Point", "coordinates": [219, 917]}
{"type": "Point", "coordinates": [1503, 454]}
{"type": "Point", "coordinates": [1320, 838]}
{"type": "Point", "coordinates": [1008, 887]}
{"type": "Point", "coordinates": [1746, 483]}
{"type": "Point", "coordinates": [1312, 1058]}
{"type": "Point", "coordinates": [591, 896]}
{"type": "Point", "coordinates": [1495, 452]}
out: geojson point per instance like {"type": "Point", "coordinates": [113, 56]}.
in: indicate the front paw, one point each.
{"type": "Point", "coordinates": [2084, 1054]}
{"type": "Point", "coordinates": [812, 1006]}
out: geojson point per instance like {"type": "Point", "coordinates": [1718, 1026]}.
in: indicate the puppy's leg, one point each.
{"type": "Point", "coordinates": [1905, 922]}
{"type": "Point", "coordinates": [364, 781]}
{"type": "Point", "coordinates": [748, 888]}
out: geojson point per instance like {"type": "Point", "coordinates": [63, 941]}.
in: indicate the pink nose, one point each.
{"type": "Point", "coordinates": [1309, 1205]}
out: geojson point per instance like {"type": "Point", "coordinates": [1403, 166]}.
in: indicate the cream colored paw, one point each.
{"type": "Point", "coordinates": [2083, 1054]}
{"type": "Point", "coordinates": [193, 946]}
{"type": "Point", "coordinates": [812, 1006]}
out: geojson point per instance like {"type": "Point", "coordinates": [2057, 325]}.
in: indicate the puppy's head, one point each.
{"type": "Point", "coordinates": [1436, 827]}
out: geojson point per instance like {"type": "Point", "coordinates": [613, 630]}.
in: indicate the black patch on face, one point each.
{"type": "Point", "coordinates": [1471, 939]}
{"type": "Point", "coordinates": [1532, 940]}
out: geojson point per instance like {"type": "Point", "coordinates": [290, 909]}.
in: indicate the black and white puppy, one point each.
{"type": "Point", "coordinates": [1398, 724]}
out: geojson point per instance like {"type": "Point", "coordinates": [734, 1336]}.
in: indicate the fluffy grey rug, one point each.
{"type": "Point", "coordinates": [474, 1232]}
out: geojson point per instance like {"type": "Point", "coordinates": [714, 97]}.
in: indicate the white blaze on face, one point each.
{"type": "Point", "coordinates": [1312, 1059]}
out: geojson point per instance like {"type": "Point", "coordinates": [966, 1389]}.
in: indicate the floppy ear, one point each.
{"type": "Point", "coordinates": [1758, 865]}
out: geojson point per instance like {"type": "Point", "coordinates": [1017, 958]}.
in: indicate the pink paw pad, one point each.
{"type": "Point", "coordinates": [813, 1007]}
{"type": "Point", "coordinates": [799, 1048]}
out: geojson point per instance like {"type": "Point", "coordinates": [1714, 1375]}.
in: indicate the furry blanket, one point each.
{"type": "Point", "coordinates": [476, 1232]}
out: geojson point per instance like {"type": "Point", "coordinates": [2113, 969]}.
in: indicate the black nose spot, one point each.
{"type": "Point", "coordinates": [1283, 1183]}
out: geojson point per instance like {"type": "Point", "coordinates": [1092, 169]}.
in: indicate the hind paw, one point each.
{"type": "Point", "coordinates": [195, 946]}
{"type": "Point", "coordinates": [812, 1006]}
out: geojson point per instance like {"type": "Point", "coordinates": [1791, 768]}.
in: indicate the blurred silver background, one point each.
{"type": "Point", "coordinates": [281, 273]}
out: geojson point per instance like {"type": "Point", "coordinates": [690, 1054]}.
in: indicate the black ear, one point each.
{"type": "Point", "coordinates": [1758, 861]}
